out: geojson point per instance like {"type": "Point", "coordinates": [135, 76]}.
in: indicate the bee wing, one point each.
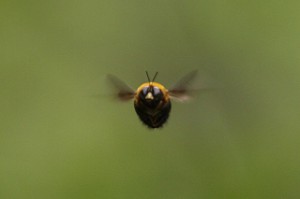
{"type": "Point", "coordinates": [190, 84]}
{"type": "Point", "coordinates": [182, 89]}
{"type": "Point", "coordinates": [123, 91]}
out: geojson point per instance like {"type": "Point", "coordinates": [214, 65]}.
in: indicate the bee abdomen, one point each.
{"type": "Point", "coordinates": [153, 118]}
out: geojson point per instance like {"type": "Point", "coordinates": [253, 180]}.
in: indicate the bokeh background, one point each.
{"type": "Point", "coordinates": [62, 136]}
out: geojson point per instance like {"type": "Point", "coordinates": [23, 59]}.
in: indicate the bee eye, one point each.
{"type": "Point", "coordinates": [145, 90]}
{"type": "Point", "coordinates": [156, 91]}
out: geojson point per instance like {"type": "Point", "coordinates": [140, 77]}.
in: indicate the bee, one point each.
{"type": "Point", "coordinates": [152, 101]}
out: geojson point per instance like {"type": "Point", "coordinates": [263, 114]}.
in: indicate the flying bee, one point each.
{"type": "Point", "coordinates": [152, 101]}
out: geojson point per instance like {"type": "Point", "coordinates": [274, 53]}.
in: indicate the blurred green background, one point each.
{"type": "Point", "coordinates": [57, 141]}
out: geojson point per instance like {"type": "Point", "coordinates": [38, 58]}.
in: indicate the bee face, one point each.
{"type": "Point", "coordinates": [152, 100]}
{"type": "Point", "coordinates": [149, 95]}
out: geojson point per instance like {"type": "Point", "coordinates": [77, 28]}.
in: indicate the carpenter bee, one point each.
{"type": "Point", "coordinates": [152, 101]}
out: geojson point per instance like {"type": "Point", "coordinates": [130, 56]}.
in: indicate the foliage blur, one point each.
{"type": "Point", "coordinates": [57, 141]}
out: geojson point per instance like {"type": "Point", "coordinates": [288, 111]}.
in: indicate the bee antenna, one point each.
{"type": "Point", "coordinates": [154, 76]}
{"type": "Point", "coordinates": [148, 76]}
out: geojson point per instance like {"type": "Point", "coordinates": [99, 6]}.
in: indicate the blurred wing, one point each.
{"type": "Point", "coordinates": [123, 91]}
{"type": "Point", "coordinates": [182, 90]}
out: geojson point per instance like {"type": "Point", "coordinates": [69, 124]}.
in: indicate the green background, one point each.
{"type": "Point", "coordinates": [58, 141]}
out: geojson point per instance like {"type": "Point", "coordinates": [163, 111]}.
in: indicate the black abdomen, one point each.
{"type": "Point", "coordinates": [153, 118]}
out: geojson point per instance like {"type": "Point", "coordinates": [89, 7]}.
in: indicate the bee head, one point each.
{"type": "Point", "coordinates": [151, 95]}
